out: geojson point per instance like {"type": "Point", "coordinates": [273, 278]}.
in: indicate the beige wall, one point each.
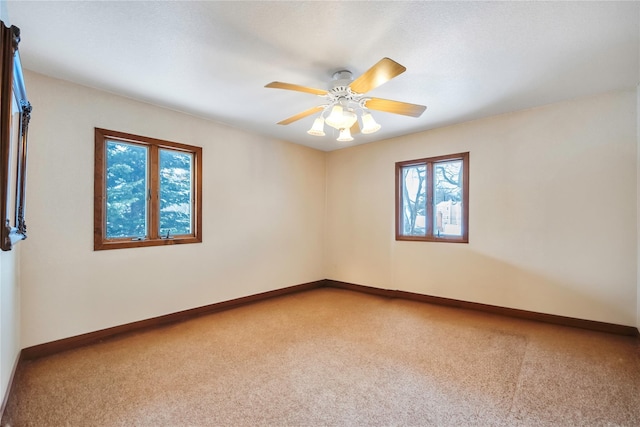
{"type": "Point", "coordinates": [552, 212]}
{"type": "Point", "coordinates": [553, 215]}
{"type": "Point", "coordinates": [263, 208]}
{"type": "Point", "coordinates": [9, 315]}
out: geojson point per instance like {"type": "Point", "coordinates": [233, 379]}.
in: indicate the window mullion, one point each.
{"type": "Point", "coordinates": [154, 191]}
{"type": "Point", "coordinates": [429, 211]}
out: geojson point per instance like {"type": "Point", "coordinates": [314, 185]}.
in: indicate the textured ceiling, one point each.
{"type": "Point", "coordinates": [465, 60]}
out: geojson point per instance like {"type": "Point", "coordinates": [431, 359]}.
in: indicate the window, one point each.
{"type": "Point", "coordinates": [432, 199]}
{"type": "Point", "coordinates": [148, 192]}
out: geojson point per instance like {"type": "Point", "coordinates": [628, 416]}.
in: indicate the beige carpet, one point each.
{"type": "Point", "coordinates": [335, 357]}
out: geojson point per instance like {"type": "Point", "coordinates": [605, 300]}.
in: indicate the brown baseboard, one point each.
{"type": "Point", "coordinates": [9, 390]}
{"type": "Point", "coordinates": [511, 312]}
{"type": "Point", "coordinates": [64, 344]}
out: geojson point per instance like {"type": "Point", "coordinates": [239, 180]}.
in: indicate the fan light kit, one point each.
{"type": "Point", "coordinates": [346, 97]}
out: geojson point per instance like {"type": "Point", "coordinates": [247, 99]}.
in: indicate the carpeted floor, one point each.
{"type": "Point", "coordinates": [335, 357]}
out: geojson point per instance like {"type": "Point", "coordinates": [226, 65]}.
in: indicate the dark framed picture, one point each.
{"type": "Point", "coordinates": [15, 113]}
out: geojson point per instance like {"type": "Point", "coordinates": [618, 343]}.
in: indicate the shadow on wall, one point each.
{"type": "Point", "coordinates": [488, 280]}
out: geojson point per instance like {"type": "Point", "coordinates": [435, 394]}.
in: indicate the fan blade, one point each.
{"type": "Point", "coordinates": [395, 107]}
{"type": "Point", "coordinates": [302, 115]}
{"type": "Point", "coordinates": [382, 72]}
{"type": "Point", "coordinates": [355, 129]}
{"type": "Point", "coordinates": [289, 86]}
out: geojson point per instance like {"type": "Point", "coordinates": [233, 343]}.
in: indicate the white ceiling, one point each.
{"type": "Point", "coordinates": [465, 60]}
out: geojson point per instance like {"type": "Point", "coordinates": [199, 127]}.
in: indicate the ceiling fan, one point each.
{"type": "Point", "coordinates": [345, 96]}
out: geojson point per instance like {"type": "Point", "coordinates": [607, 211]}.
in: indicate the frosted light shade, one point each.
{"type": "Point", "coordinates": [335, 118]}
{"type": "Point", "coordinates": [349, 118]}
{"type": "Point", "coordinates": [318, 127]}
{"type": "Point", "coordinates": [369, 125]}
{"type": "Point", "coordinates": [345, 135]}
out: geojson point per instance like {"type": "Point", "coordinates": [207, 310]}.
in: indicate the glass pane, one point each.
{"type": "Point", "coordinates": [447, 200]}
{"type": "Point", "coordinates": [126, 190]}
{"type": "Point", "coordinates": [414, 196]}
{"type": "Point", "coordinates": [176, 191]}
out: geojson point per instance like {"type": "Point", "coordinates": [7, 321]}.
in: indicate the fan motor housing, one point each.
{"type": "Point", "coordinates": [341, 79]}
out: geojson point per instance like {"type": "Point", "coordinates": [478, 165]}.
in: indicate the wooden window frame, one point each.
{"type": "Point", "coordinates": [429, 163]}
{"type": "Point", "coordinates": [100, 241]}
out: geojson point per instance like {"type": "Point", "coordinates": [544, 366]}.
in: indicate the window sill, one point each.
{"type": "Point", "coordinates": [432, 239]}
{"type": "Point", "coordinates": [123, 244]}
